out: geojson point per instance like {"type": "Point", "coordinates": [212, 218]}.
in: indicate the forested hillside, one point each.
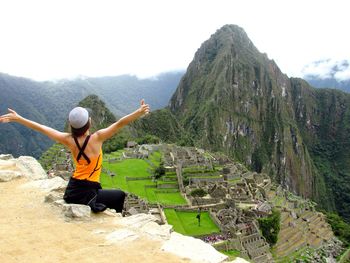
{"type": "Point", "coordinates": [50, 102]}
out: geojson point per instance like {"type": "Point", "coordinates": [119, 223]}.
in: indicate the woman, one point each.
{"type": "Point", "coordinates": [86, 149]}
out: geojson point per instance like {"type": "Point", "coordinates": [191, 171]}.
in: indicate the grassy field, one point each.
{"type": "Point", "coordinates": [138, 168]}
{"type": "Point", "coordinates": [232, 254]}
{"type": "Point", "coordinates": [186, 223]}
{"type": "Point", "coordinates": [183, 222]}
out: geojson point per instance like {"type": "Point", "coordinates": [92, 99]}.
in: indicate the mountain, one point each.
{"type": "Point", "coordinates": [29, 99]}
{"type": "Point", "coordinates": [328, 73]}
{"type": "Point", "coordinates": [122, 94]}
{"type": "Point", "coordinates": [317, 82]}
{"type": "Point", "coordinates": [236, 100]}
{"type": "Point", "coordinates": [50, 102]}
{"type": "Point", "coordinates": [101, 117]}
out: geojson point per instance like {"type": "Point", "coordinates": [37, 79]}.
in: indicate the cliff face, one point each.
{"type": "Point", "coordinates": [234, 99]}
{"type": "Point", "coordinates": [323, 118]}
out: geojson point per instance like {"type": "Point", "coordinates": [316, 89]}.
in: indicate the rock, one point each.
{"type": "Point", "coordinates": [48, 185]}
{"type": "Point", "coordinates": [6, 156]}
{"type": "Point", "coordinates": [121, 235]}
{"type": "Point", "coordinates": [157, 231]}
{"type": "Point", "coordinates": [195, 249]}
{"type": "Point", "coordinates": [292, 224]}
{"type": "Point", "coordinates": [331, 260]}
{"type": "Point", "coordinates": [76, 211]}
{"type": "Point", "coordinates": [111, 212]}
{"type": "Point", "coordinates": [133, 211]}
{"type": "Point", "coordinates": [136, 221]}
{"type": "Point", "coordinates": [53, 196]}
{"type": "Point", "coordinates": [31, 168]}
{"type": "Point", "coordinates": [8, 165]}
{"type": "Point", "coordinates": [59, 203]}
{"type": "Point", "coordinates": [239, 260]}
{"type": "Point", "coordinates": [8, 175]}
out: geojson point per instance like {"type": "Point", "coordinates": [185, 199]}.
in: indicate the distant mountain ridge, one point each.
{"type": "Point", "coordinates": [330, 83]}
{"type": "Point", "coordinates": [328, 73]}
{"type": "Point", "coordinates": [49, 103]}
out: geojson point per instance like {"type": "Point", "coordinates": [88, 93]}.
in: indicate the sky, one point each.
{"type": "Point", "coordinates": [49, 39]}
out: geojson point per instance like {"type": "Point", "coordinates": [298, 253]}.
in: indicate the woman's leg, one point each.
{"type": "Point", "coordinates": [111, 198]}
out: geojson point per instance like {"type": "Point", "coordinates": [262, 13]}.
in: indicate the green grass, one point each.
{"type": "Point", "coordinates": [155, 158]}
{"type": "Point", "coordinates": [232, 254]}
{"type": "Point", "coordinates": [235, 180]}
{"type": "Point", "coordinates": [137, 168]}
{"type": "Point", "coordinates": [186, 223]}
{"type": "Point", "coordinates": [112, 155]}
{"type": "Point", "coordinates": [174, 220]}
{"type": "Point", "coordinates": [206, 177]}
{"type": "Point", "coordinates": [160, 182]}
{"type": "Point", "coordinates": [171, 198]}
{"type": "Point", "coordinates": [296, 255]}
{"type": "Point", "coordinates": [278, 200]}
{"type": "Point", "coordinates": [345, 257]}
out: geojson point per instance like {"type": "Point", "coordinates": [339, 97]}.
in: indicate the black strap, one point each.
{"type": "Point", "coordinates": [96, 169]}
{"type": "Point", "coordinates": [81, 149]}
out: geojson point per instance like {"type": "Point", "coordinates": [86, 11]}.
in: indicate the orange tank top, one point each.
{"type": "Point", "coordinates": [90, 168]}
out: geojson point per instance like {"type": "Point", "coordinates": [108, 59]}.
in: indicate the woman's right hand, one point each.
{"type": "Point", "coordinates": [12, 116]}
{"type": "Point", "coordinates": [144, 108]}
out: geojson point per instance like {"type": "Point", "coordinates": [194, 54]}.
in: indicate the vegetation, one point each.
{"type": "Point", "coordinates": [162, 124]}
{"type": "Point", "coordinates": [198, 192]}
{"type": "Point", "coordinates": [270, 226]}
{"type": "Point", "coordinates": [50, 102]}
{"type": "Point", "coordinates": [121, 174]}
{"type": "Point", "coordinates": [186, 223]}
{"type": "Point", "coordinates": [340, 228]}
{"type": "Point", "coordinates": [232, 254]}
{"type": "Point", "coordinates": [159, 171]}
{"type": "Point", "coordinates": [345, 258]}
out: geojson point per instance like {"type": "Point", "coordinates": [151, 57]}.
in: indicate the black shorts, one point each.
{"type": "Point", "coordinates": [91, 194]}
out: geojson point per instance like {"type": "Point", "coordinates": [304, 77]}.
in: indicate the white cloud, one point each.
{"type": "Point", "coordinates": [319, 69]}
{"type": "Point", "coordinates": [329, 68]}
{"type": "Point", "coordinates": [343, 75]}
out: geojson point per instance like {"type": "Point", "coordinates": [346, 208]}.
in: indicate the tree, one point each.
{"type": "Point", "coordinates": [270, 226]}
{"type": "Point", "coordinates": [159, 171]}
{"type": "Point", "coordinates": [198, 192]}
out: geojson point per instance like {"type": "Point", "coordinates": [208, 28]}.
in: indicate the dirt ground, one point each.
{"type": "Point", "coordinates": [34, 231]}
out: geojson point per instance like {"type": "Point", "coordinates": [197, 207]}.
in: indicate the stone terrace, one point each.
{"type": "Point", "coordinates": [309, 228]}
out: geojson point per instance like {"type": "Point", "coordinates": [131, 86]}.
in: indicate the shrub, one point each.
{"type": "Point", "coordinates": [270, 226]}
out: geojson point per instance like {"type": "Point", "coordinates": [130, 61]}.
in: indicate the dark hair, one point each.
{"type": "Point", "coordinates": [79, 132]}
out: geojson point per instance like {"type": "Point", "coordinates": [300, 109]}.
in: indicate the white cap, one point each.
{"type": "Point", "coordinates": [78, 117]}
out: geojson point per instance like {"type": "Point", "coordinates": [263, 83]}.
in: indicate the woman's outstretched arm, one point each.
{"type": "Point", "coordinates": [105, 134]}
{"type": "Point", "coordinates": [58, 136]}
